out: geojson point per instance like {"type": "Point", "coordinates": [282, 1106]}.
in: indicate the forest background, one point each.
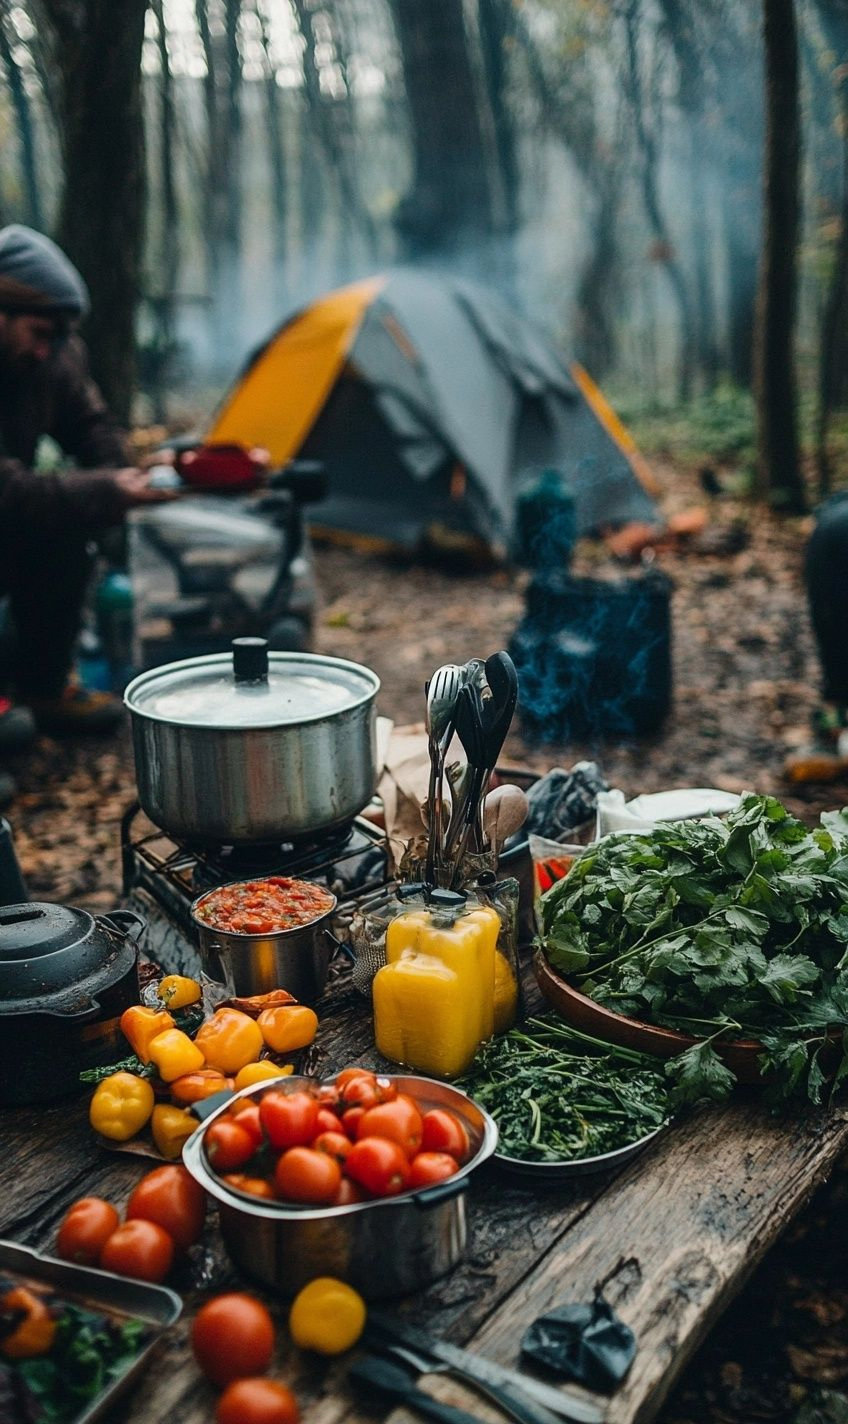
{"type": "Point", "coordinates": [630, 172]}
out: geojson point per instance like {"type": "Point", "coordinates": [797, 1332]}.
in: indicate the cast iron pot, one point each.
{"type": "Point", "coordinates": [250, 746]}
{"type": "Point", "coordinates": [65, 979]}
{"type": "Point", "coordinates": [388, 1247]}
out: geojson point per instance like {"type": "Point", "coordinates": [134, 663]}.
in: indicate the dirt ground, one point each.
{"type": "Point", "coordinates": [745, 683]}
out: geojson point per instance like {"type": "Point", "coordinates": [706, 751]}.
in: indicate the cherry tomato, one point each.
{"type": "Point", "coordinates": [399, 1121]}
{"type": "Point", "coordinates": [140, 1249]}
{"type": "Point", "coordinates": [328, 1095]}
{"type": "Point", "coordinates": [85, 1229]}
{"type": "Point", "coordinates": [303, 1175]}
{"type": "Point", "coordinates": [348, 1193]}
{"type": "Point", "coordinates": [227, 1144]}
{"type": "Point", "coordinates": [327, 1121]}
{"type": "Point", "coordinates": [253, 1186]}
{"type": "Point", "coordinates": [174, 1200]}
{"type": "Point", "coordinates": [288, 1118]}
{"type": "Point", "coordinates": [378, 1165]}
{"type": "Point", "coordinates": [348, 1074]}
{"type": "Point", "coordinates": [350, 1121]}
{"type": "Point", "coordinates": [333, 1143]}
{"type": "Point", "coordinates": [386, 1090]}
{"type": "Point", "coordinates": [361, 1091]}
{"type": "Point", "coordinates": [248, 1118]}
{"type": "Point", "coordinates": [443, 1132]}
{"type": "Point", "coordinates": [257, 1401]}
{"type": "Point", "coordinates": [232, 1337]}
{"type": "Point", "coordinates": [430, 1167]}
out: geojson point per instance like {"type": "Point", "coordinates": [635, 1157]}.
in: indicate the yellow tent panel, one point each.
{"type": "Point", "coordinates": [281, 396]}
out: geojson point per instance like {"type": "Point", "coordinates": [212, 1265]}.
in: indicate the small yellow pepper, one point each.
{"type": "Point", "coordinates": [171, 1127]}
{"type": "Point", "coordinates": [177, 991]}
{"type": "Point", "coordinates": [139, 1025]}
{"type": "Point", "coordinates": [174, 1054]}
{"type": "Point", "coordinates": [288, 1028]}
{"type": "Point", "coordinates": [229, 1040]}
{"type": "Point", "coordinates": [327, 1315]}
{"type": "Point", "coordinates": [259, 1072]}
{"type": "Point", "coordinates": [121, 1105]}
{"type": "Point", "coordinates": [34, 1333]}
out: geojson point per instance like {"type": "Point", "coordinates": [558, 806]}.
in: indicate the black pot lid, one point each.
{"type": "Point", "coordinates": [53, 950]}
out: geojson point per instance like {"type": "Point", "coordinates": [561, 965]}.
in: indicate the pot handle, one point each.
{"type": "Point", "coordinates": [207, 1107]}
{"type": "Point", "coordinates": [442, 1191]}
{"type": "Point", "coordinates": [127, 923]}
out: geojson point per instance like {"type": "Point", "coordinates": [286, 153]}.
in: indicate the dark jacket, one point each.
{"type": "Point", "coordinates": [59, 400]}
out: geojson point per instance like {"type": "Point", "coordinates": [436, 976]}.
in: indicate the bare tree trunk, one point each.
{"type": "Point", "coordinates": [24, 117]}
{"type": "Point", "coordinates": [277, 163]}
{"type": "Point", "coordinates": [449, 211]}
{"type": "Point", "coordinates": [778, 464]}
{"type": "Point", "coordinates": [833, 355]}
{"type": "Point", "coordinates": [96, 49]}
{"type": "Point", "coordinates": [164, 301]}
{"type": "Point", "coordinates": [663, 245]}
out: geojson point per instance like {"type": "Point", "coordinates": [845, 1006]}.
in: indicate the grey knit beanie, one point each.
{"type": "Point", "coordinates": [35, 275]}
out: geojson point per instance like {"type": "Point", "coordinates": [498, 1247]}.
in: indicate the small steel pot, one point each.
{"type": "Point", "coordinates": [389, 1247]}
{"type": "Point", "coordinates": [65, 979]}
{"type": "Point", "coordinates": [295, 959]}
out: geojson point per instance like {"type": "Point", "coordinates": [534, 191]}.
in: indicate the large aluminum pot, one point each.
{"type": "Point", "coordinates": [251, 746]}
{"type": "Point", "coordinates": [389, 1247]}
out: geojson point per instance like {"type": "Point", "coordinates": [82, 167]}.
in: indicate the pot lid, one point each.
{"type": "Point", "coordinates": [251, 687]}
{"type": "Point", "coordinates": [48, 950]}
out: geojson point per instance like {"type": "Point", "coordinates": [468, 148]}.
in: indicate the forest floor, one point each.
{"type": "Point", "coordinates": [745, 686]}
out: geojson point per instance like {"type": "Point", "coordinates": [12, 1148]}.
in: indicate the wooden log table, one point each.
{"type": "Point", "coordinates": [674, 1235]}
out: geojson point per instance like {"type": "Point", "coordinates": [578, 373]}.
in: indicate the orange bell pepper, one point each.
{"type": "Point", "coordinates": [139, 1025]}
{"type": "Point", "coordinates": [288, 1028]}
{"type": "Point", "coordinates": [174, 1054]}
{"type": "Point", "coordinates": [229, 1040]}
{"type": "Point", "coordinates": [34, 1332]}
{"type": "Point", "coordinates": [202, 1083]}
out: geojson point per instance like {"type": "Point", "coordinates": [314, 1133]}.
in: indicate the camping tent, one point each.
{"type": "Point", "coordinates": [430, 401]}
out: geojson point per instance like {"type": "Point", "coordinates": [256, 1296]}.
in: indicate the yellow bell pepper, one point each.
{"type": "Point", "coordinates": [288, 1028]}
{"type": "Point", "coordinates": [177, 991]}
{"type": "Point", "coordinates": [121, 1105]}
{"type": "Point", "coordinates": [229, 1040]}
{"type": "Point", "coordinates": [174, 1054]}
{"type": "Point", "coordinates": [171, 1127]}
{"type": "Point", "coordinates": [261, 1072]}
{"type": "Point", "coordinates": [506, 994]}
{"type": "Point", "coordinates": [434, 999]}
{"type": "Point", "coordinates": [139, 1025]}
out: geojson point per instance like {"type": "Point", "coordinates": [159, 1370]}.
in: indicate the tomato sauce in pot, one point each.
{"type": "Point", "coordinates": [264, 906]}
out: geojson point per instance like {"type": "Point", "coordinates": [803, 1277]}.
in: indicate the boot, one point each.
{"type": "Point", "coordinates": [77, 710]}
{"type": "Point", "coordinates": [17, 727]}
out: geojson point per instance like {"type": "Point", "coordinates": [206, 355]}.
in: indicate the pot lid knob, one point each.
{"type": "Point", "coordinates": [250, 659]}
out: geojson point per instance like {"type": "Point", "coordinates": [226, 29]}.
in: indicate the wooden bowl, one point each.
{"type": "Point", "coordinates": [740, 1055]}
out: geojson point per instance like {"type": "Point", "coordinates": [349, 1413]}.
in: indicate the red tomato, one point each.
{"type": "Point", "coordinates": [140, 1249]}
{"type": "Point", "coordinates": [232, 1337]}
{"type": "Point", "coordinates": [303, 1175]}
{"type": "Point", "coordinates": [429, 1167]}
{"type": "Point", "coordinates": [378, 1165]}
{"type": "Point", "coordinates": [327, 1121]}
{"type": "Point", "coordinates": [328, 1095]}
{"type": "Point", "coordinates": [399, 1121]}
{"type": "Point", "coordinates": [257, 1401]}
{"type": "Point", "coordinates": [248, 1118]}
{"type": "Point", "coordinates": [350, 1121]}
{"type": "Point", "coordinates": [253, 1186]}
{"type": "Point", "coordinates": [334, 1143]}
{"type": "Point", "coordinates": [85, 1229]}
{"type": "Point", "coordinates": [227, 1144]}
{"type": "Point", "coordinates": [348, 1074]}
{"type": "Point", "coordinates": [288, 1118]}
{"type": "Point", "coordinates": [174, 1200]}
{"type": "Point", "coordinates": [443, 1132]}
{"type": "Point", "coordinates": [348, 1193]}
{"type": "Point", "coordinates": [386, 1090]}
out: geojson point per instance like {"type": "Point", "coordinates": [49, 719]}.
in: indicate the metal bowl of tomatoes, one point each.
{"type": "Point", "coordinates": [268, 933]}
{"type": "Point", "coordinates": [384, 1210]}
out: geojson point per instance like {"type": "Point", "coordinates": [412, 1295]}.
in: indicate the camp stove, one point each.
{"type": "Point", "coordinates": [353, 862]}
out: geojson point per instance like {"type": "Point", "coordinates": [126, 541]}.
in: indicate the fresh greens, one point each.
{"type": "Point", "coordinates": [89, 1351]}
{"type": "Point", "coordinates": [558, 1095]}
{"type": "Point", "coordinates": [721, 929]}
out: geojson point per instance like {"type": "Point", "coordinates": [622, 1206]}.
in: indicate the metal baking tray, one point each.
{"type": "Point", "coordinates": [578, 1166]}
{"type": "Point", "coordinates": [157, 1306]}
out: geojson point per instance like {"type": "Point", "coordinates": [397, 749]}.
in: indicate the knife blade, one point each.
{"type": "Point", "coordinates": [511, 1401]}
{"type": "Point", "coordinates": [561, 1401]}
